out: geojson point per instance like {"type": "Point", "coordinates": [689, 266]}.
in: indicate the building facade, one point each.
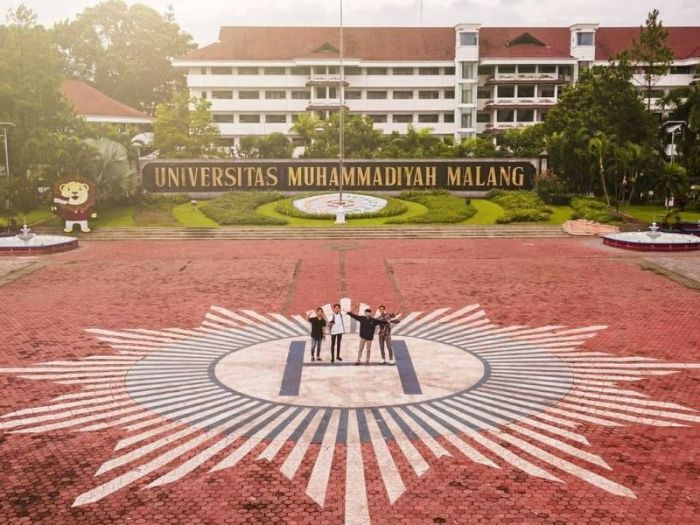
{"type": "Point", "coordinates": [459, 81]}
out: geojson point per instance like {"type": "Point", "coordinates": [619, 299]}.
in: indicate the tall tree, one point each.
{"type": "Point", "coordinates": [686, 100]}
{"type": "Point", "coordinates": [361, 139]}
{"type": "Point", "coordinates": [273, 146]}
{"type": "Point", "coordinates": [651, 52]}
{"type": "Point", "coordinates": [416, 144]}
{"type": "Point", "coordinates": [184, 128]}
{"type": "Point", "coordinates": [125, 51]}
{"type": "Point", "coordinates": [601, 146]}
{"type": "Point", "coordinates": [527, 142]}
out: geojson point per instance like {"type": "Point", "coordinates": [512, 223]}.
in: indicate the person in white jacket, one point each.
{"type": "Point", "coordinates": [337, 329]}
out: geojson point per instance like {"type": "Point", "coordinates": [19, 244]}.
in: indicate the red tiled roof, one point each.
{"type": "Point", "coordinates": [89, 101]}
{"type": "Point", "coordinates": [420, 43]}
{"type": "Point", "coordinates": [685, 41]}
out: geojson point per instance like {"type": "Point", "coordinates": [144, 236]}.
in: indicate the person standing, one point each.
{"type": "Point", "coordinates": [368, 326]}
{"type": "Point", "coordinates": [337, 329]}
{"type": "Point", "coordinates": [384, 335]}
{"type": "Point", "coordinates": [318, 323]}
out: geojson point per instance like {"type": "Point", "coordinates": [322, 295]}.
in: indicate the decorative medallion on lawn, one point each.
{"type": "Point", "coordinates": [203, 399]}
{"type": "Point", "coordinates": [328, 204]}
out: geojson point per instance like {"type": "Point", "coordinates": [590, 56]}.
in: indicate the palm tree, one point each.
{"type": "Point", "coordinates": [306, 127]}
{"type": "Point", "coordinates": [673, 181]}
{"type": "Point", "coordinates": [599, 146]}
{"type": "Point", "coordinates": [115, 176]}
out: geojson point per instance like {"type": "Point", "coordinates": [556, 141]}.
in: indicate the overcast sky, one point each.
{"type": "Point", "coordinates": [202, 18]}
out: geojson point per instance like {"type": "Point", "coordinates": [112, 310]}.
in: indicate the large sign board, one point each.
{"type": "Point", "coordinates": [186, 176]}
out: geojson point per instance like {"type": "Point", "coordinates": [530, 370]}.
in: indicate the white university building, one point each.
{"type": "Point", "coordinates": [459, 81]}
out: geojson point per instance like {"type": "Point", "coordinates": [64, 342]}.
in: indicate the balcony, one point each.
{"type": "Point", "coordinates": [530, 78]}
{"type": "Point", "coordinates": [325, 80]}
{"type": "Point", "coordinates": [530, 102]}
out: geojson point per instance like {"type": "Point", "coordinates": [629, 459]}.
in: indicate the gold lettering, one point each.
{"type": "Point", "coordinates": [204, 175]}
{"type": "Point", "coordinates": [492, 177]}
{"type": "Point", "coordinates": [230, 174]}
{"type": "Point", "coordinates": [454, 175]}
{"type": "Point", "coordinates": [217, 175]}
{"type": "Point", "coordinates": [160, 179]}
{"type": "Point", "coordinates": [518, 176]}
{"type": "Point", "coordinates": [479, 182]}
{"type": "Point", "coordinates": [322, 178]}
{"type": "Point", "coordinates": [192, 174]}
{"type": "Point", "coordinates": [259, 178]}
{"type": "Point", "coordinates": [504, 173]}
{"type": "Point", "coordinates": [468, 177]}
{"type": "Point", "coordinates": [173, 178]}
{"type": "Point", "coordinates": [363, 177]}
{"type": "Point", "coordinates": [391, 177]}
{"type": "Point", "coordinates": [418, 178]}
{"type": "Point", "coordinates": [431, 176]}
{"type": "Point", "coordinates": [294, 175]}
{"type": "Point", "coordinates": [272, 178]}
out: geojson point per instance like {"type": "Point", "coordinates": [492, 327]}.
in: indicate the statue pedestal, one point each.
{"type": "Point", "coordinates": [340, 215]}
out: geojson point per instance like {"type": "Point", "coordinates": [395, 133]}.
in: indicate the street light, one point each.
{"type": "Point", "coordinates": [4, 126]}
{"type": "Point", "coordinates": [340, 210]}
{"type": "Point", "coordinates": [676, 125]}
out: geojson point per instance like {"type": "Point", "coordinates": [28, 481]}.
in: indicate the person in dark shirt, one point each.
{"type": "Point", "coordinates": [318, 323]}
{"type": "Point", "coordinates": [368, 325]}
{"type": "Point", "coordinates": [385, 333]}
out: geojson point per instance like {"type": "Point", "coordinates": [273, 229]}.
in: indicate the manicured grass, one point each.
{"type": "Point", "coordinates": [560, 214]}
{"type": "Point", "coordinates": [115, 217]}
{"type": "Point", "coordinates": [268, 210]}
{"type": "Point", "coordinates": [33, 217]}
{"type": "Point", "coordinates": [649, 213]}
{"type": "Point", "coordinates": [240, 208]}
{"type": "Point", "coordinates": [191, 217]}
{"type": "Point", "coordinates": [487, 212]}
{"type": "Point", "coordinates": [442, 208]}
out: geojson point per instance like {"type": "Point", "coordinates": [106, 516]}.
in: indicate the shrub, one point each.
{"type": "Point", "coordinates": [520, 206]}
{"type": "Point", "coordinates": [524, 215]}
{"type": "Point", "coordinates": [591, 210]}
{"type": "Point", "coordinates": [443, 208]}
{"type": "Point", "coordinates": [163, 201]}
{"type": "Point", "coordinates": [393, 208]}
{"type": "Point", "coordinates": [238, 207]}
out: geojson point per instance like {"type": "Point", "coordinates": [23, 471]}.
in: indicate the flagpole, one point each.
{"type": "Point", "coordinates": [340, 211]}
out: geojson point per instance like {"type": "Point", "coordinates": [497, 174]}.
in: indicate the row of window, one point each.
{"type": "Point", "coordinates": [330, 92]}
{"type": "Point", "coordinates": [379, 118]}
{"type": "Point", "coordinates": [509, 69]}
{"type": "Point", "coordinates": [520, 91]}
{"type": "Point", "coordinates": [324, 70]}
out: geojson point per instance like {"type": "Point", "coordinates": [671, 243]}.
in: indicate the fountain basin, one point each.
{"type": "Point", "coordinates": [38, 244]}
{"type": "Point", "coordinates": [328, 204]}
{"type": "Point", "coordinates": [653, 241]}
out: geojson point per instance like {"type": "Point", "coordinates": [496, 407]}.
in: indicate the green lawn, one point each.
{"type": "Point", "coordinates": [268, 210]}
{"type": "Point", "coordinates": [486, 212]}
{"type": "Point", "coordinates": [115, 217]}
{"type": "Point", "coordinates": [648, 213]}
{"type": "Point", "coordinates": [561, 214]}
{"type": "Point", "coordinates": [33, 217]}
{"type": "Point", "coordinates": [191, 217]}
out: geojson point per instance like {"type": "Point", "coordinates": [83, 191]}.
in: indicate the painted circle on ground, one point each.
{"type": "Point", "coordinates": [328, 203]}
{"type": "Point", "coordinates": [440, 370]}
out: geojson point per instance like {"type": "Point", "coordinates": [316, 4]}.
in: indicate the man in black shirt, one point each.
{"type": "Point", "coordinates": [368, 325]}
{"type": "Point", "coordinates": [318, 323]}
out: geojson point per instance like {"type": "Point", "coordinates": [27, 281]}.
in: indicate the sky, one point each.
{"type": "Point", "coordinates": [202, 18]}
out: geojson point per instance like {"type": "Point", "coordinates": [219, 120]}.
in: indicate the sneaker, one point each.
{"type": "Point", "coordinates": [383, 361]}
{"type": "Point", "coordinates": [392, 362]}
{"type": "Point", "coordinates": [319, 359]}
{"type": "Point", "coordinates": [357, 363]}
{"type": "Point", "coordinates": [338, 358]}
{"type": "Point", "coordinates": [313, 359]}
{"type": "Point", "coordinates": [332, 360]}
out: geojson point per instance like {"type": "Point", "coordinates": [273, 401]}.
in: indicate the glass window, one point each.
{"type": "Point", "coordinates": [547, 68]}
{"type": "Point", "coordinates": [333, 70]}
{"type": "Point", "coordinates": [402, 71]}
{"type": "Point", "coordinates": [203, 71]}
{"type": "Point", "coordinates": [302, 94]}
{"type": "Point", "coordinates": [428, 117]}
{"type": "Point", "coordinates": [402, 119]}
{"type": "Point", "coordinates": [506, 91]}
{"type": "Point", "coordinates": [543, 115]}
{"type": "Point", "coordinates": [223, 118]}
{"type": "Point", "coordinates": [275, 95]}
{"type": "Point", "coordinates": [204, 95]}
{"type": "Point", "coordinates": [508, 69]}
{"type": "Point", "coordinates": [450, 70]}
{"type": "Point", "coordinates": [247, 70]}
{"type": "Point", "coordinates": [428, 70]}
{"type": "Point", "coordinates": [300, 70]}
{"type": "Point", "coordinates": [319, 70]}
{"type": "Point", "coordinates": [467, 70]}
{"type": "Point", "coordinates": [527, 68]}
{"type": "Point", "coordinates": [376, 95]}
{"type": "Point", "coordinates": [448, 117]}
{"type": "Point", "coordinates": [486, 70]}
{"type": "Point", "coordinates": [584, 39]}
{"type": "Point", "coordinates": [402, 94]}
{"type": "Point", "coordinates": [248, 95]}
{"type": "Point", "coordinates": [353, 71]}
{"type": "Point", "coordinates": [483, 117]}
{"type": "Point", "coordinates": [376, 71]}
{"type": "Point", "coordinates": [295, 116]}
{"type": "Point", "coordinates": [466, 120]}
{"type": "Point", "coordinates": [526, 91]}
{"type": "Point", "coordinates": [450, 93]}
{"type": "Point", "coordinates": [378, 119]}
{"type": "Point", "coordinates": [546, 91]}
{"type": "Point", "coordinates": [526, 115]}
{"type": "Point", "coordinates": [566, 70]}
{"type": "Point", "coordinates": [468, 39]}
{"type": "Point", "coordinates": [483, 93]}
{"type": "Point", "coordinates": [424, 94]}
{"type": "Point", "coordinates": [274, 71]}
{"type": "Point", "coordinates": [467, 93]}
{"type": "Point", "coordinates": [276, 119]}
{"type": "Point", "coordinates": [222, 94]}
{"type": "Point", "coordinates": [249, 119]}
{"type": "Point", "coordinates": [505, 115]}
{"type": "Point", "coordinates": [353, 94]}
{"type": "Point", "coordinates": [222, 71]}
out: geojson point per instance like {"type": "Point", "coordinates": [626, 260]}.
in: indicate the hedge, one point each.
{"type": "Point", "coordinates": [520, 206]}
{"type": "Point", "coordinates": [443, 207]}
{"type": "Point", "coordinates": [238, 207]}
{"type": "Point", "coordinates": [591, 210]}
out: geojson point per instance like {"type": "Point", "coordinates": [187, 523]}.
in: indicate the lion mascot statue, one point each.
{"type": "Point", "coordinates": [73, 201]}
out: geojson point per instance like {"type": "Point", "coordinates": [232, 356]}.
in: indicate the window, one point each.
{"type": "Point", "coordinates": [295, 116]}
{"type": "Point", "coordinates": [325, 92]}
{"type": "Point", "coordinates": [223, 118]}
{"type": "Point", "coordinates": [333, 70]}
{"type": "Point", "coordinates": [526, 91]}
{"type": "Point", "coordinates": [428, 117]}
{"type": "Point", "coordinates": [450, 93]}
{"type": "Point", "coordinates": [448, 117]}
{"type": "Point", "coordinates": [466, 120]}
{"type": "Point", "coordinates": [527, 68]}
{"type": "Point", "coordinates": [429, 94]}
{"type": "Point", "coordinates": [468, 39]}
{"type": "Point", "coordinates": [546, 91]}
{"type": "Point", "coordinates": [300, 70]}
{"type": "Point", "coordinates": [467, 70]}
{"type": "Point", "coordinates": [566, 70]}
{"type": "Point", "coordinates": [486, 71]}
{"type": "Point", "coordinates": [249, 119]}
{"type": "Point", "coordinates": [483, 93]}
{"type": "Point", "coordinates": [353, 71]}
{"type": "Point", "coordinates": [682, 70]}
{"type": "Point", "coordinates": [505, 115]}
{"type": "Point", "coordinates": [204, 95]}
{"type": "Point", "coordinates": [319, 70]}
{"type": "Point", "coordinates": [483, 117]}
{"type": "Point", "coordinates": [376, 71]}
{"type": "Point", "coordinates": [428, 70]}
{"type": "Point", "coordinates": [467, 93]}
{"type": "Point", "coordinates": [276, 119]}
{"type": "Point", "coordinates": [507, 69]}
{"type": "Point", "coordinates": [353, 94]}
{"type": "Point", "coordinates": [222, 94]}
{"type": "Point", "coordinates": [376, 95]}
{"type": "Point", "coordinates": [543, 115]}
{"type": "Point", "coordinates": [274, 71]}
{"type": "Point", "coordinates": [303, 94]}
{"type": "Point", "coordinates": [402, 71]}
{"type": "Point", "coordinates": [402, 94]}
{"type": "Point", "coordinates": [203, 71]}
{"type": "Point", "coordinates": [222, 71]}
{"type": "Point", "coordinates": [526, 115]}
{"type": "Point", "coordinates": [547, 68]}
{"type": "Point", "coordinates": [248, 95]}
{"type": "Point", "coordinates": [584, 39]}
{"type": "Point", "coordinates": [275, 95]}
{"type": "Point", "coordinates": [402, 119]}
{"type": "Point", "coordinates": [450, 70]}
{"type": "Point", "coordinates": [379, 118]}
{"type": "Point", "coordinates": [247, 70]}
{"type": "Point", "coordinates": [505, 91]}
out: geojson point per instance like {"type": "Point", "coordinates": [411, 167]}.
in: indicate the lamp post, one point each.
{"type": "Point", "coordinates": [4, 126]}
{"type": "Point", "coordinates": [340, 211]}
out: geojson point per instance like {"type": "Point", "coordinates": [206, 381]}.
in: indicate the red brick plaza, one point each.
{"type": "Point", "coordinates": [582, 408]}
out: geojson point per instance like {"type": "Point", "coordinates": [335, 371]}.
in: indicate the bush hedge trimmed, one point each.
{"type": "Point", "coordinates": [520, 206]}
{"type": "Point", "coordinates": [443, 208]}
{"type": "Point", "coordinates": [393, 208]}
{"type": "Point", "coordinates": [238, 207]}
{"type": "Point", "coordinates": [591, 210]}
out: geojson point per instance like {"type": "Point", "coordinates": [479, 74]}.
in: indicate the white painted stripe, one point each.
{"type": "Point", "coordinates": [576, 393]}
{"type": "Point", "coordinates": [423, 320]}
{"type": "Point", "coordinates": [318, 482]}
{"type": "Point", "coordinates": [280, 439]}
{"type": "Point", "coordinates": [66, 406]}
{"type": "Point", "coordinates": [429, 441]}
{"type": "Point", "coordinates": [393, 483]}
{"type": "Point", "coordinates": [356, 504]}
{"type": "Point", "coordinates": [418, 464]}
{"type": "Point", "coordinates": [291, 464]}
{"type": "Point", "coordinates": [456, 318]}
{"type": "Point", "coordinates": [534, 412]}
{"type": "Point", "coordinates": [281, 329]}
{"type": "Point", "coordinates": [296, 329]}
{"type": "Point", "coordinates": [78, 421]}
{"type": "Point", "coordinates": [405, 323]}
{"type": "Point", "coordinates": [67, 414]}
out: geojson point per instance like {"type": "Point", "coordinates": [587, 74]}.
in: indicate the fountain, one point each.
{"type": "Point", "coordinates": [330, 204]}
{"type": "Point", "coordinates": [653, 240]}
{"type": "Point", "coordinates": [27, 242]}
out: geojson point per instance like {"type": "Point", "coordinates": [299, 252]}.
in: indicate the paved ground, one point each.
{"type": "Point", "coordinates": [553, 432]}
